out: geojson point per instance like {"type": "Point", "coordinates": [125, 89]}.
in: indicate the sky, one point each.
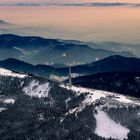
{"type": "Point", "coordinates": [94, 24]}
{"type": "Point", "coordinates": [70, 1]}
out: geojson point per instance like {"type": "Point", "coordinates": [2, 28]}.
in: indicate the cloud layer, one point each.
{"type": "Point", "coordinates": [87, 4]}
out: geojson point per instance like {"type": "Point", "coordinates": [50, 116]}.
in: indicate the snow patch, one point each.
{"type": "Point", "coordinates": [62, 119]}
{"type": "Point", "coordinates": [34, 89]}
{"type": "Point", "coordinates": [97, 59]}
{"type": "Point", "coordinates": [97, 94]}
{"type": "Point", "coordinates": [41, 117]}
{"type": "Point", "coordinates": [9, 101]}
{"type": "Point", "coordinates": [77, 90]}
{"type": "Point", "coordinates": [63, 78]}
{"type": "Point", "coordinates": [4, 72]}
{"type": "Point", "coordinates": [108, 128]}
{"type": "Point", "coordinates": [92, 96]}
{"type": "Point", "coordinates": [21, 50]}
{"type": "Point", "coordinates": [66, 101]}
{"type": "Point", "coordinates": [58, 78]}
{"type": "Point", "coordinates": [64, 55]}
{"type": "Point", "coordinates": [126, 100]}
{"type": "Point", "coordinates": [2, 109]}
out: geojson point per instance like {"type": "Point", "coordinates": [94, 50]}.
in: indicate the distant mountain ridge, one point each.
{"type": "Point", "coordinates": [3, 22]}
{"type": "Point", "coordinates": [37, 50]}
{"type": "Point", "coordinates": [114, 63]}
{"type": "Point", "coordinates": [109, 64]}
{"type": "Point", "coordinates": [126, 83]}
{"type": "Point", "coordinates": [21, 66]}
{"type": "Point", "coordinates": [83, 4]}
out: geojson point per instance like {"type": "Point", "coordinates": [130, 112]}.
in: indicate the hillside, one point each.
{"type": "Point", "coordinates": [109, 64]}
{"type": "Point", "coordinates": [32, 107]}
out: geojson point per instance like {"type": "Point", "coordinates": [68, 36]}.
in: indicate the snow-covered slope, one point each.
{"type": "Point", "coordinates": [108, 128]}
{"type": "Point", "coordinates": [94, 95]}
{"type": "Point", "coordinates": [4, 72]}
{"type": "Point", "coordinates": [105, 126]}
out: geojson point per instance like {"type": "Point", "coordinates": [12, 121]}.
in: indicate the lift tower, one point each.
{"type": "Point", "coordinates": [70, 79]}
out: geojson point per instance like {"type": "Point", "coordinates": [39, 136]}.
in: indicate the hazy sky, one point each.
{"type": "Point", "coordinates": [93, 23]}
{"type": "Point", "coordinates": [65, 1]}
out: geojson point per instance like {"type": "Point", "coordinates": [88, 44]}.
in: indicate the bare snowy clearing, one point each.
{"type": "Point", "coordinates": [34, 89]}
{"type": "Point", "coordinates": [108, 128]}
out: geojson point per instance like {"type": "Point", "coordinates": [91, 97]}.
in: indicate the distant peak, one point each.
{"type": "Point", "coordinates": [9, 35]}
{"type": "Point", "coordinates": [4, 22]}
{"type": "Point", "coordinates": [15, 61]}
{"type": "Point", "coordinates": [116, 56]}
